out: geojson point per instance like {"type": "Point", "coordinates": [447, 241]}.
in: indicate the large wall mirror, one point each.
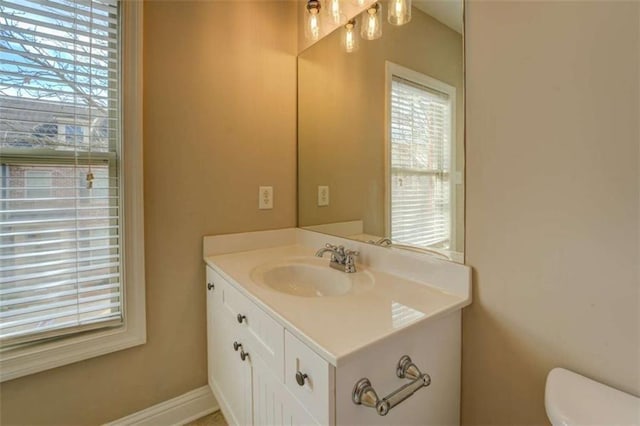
{"type": "Point", "coordinates": [381, 132]}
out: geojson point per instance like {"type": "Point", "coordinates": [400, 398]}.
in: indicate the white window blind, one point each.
{"type": "Point", "coordinates": [420, 158]}
{"type": "Point", "coordinates": [60, 224]}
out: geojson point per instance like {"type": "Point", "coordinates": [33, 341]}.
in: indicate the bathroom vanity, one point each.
{"type": "Point", "coordinates": [293, 341]}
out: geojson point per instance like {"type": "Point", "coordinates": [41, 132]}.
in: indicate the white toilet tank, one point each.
{"type": "Point", "coordinates": [571, 399]}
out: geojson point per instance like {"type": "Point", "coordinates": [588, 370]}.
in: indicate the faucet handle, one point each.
{"type": "Point", "coordinates": [349, 261]}
{"type": "Point", "coordinates": [348, 252]}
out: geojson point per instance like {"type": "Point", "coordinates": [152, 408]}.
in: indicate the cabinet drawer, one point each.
{"type": "Point", "coordinates": [258, 332]}
{"type": "Point", "coordinates": [316, 393]}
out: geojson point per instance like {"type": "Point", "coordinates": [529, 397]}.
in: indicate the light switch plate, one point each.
{"type": "Point", "coordinates": [265, 197]}
{"type": "Point", "coordinates": [323, 196]}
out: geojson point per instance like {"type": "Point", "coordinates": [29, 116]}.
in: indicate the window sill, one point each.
{"type": "Point", "coordinates": [29, 360]}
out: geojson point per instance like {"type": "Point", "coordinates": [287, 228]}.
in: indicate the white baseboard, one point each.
{"type": "Point", "coordinates": [173, 412]}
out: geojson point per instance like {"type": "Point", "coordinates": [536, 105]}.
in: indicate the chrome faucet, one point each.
{"type": "Point", "coordinates": [342, 259]}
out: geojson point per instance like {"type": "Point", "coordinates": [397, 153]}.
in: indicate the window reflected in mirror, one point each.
{"type": "Point", "coordinates": [381, 133]}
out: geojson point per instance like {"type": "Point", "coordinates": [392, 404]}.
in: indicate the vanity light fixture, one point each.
{"type": "Point", "coordinates": [334, 11]}
{"type": "Point", "coordinates": [349, 37]}
{"type": "Point", "coordinates": [399, 12]}
{"type": "Point", "coordinates": [312, 24]}
{"type": "Point", "coordinates": [371, 27]}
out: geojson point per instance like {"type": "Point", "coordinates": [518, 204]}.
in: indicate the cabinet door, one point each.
{"type": "Point", "coordinates": [214, 302]}
{"type": "Point", "coordinates": [316, 393]}
{"type": "Point", "coordinates": [234, 375]}
{"type": "Point", "coordinates": [273, 404]}
{"type": "Point", "coordinates": [229, 375]}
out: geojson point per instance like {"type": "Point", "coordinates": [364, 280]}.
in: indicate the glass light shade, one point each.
{"type": "Point", "coordinates": [350, 40]}
{"type": "Point", "coordinates": [359, 2]}
{"type": "Point", "coordinates": [371, 25]}
{"type": "Point", "coordinates": [399, 12]}
{"type": "Point", "coordinates": [312, 22]}
{"type": "Point", "coordinates": [334, 11]}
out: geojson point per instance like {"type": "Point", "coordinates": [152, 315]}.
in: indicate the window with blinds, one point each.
{"type": "Point", "coordinates": [60, 223]}
{"type": "Point", "coordinates": [420, 146]}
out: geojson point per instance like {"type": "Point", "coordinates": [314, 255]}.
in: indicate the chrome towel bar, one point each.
{"type": "Point", "coordinates": [364, 394]}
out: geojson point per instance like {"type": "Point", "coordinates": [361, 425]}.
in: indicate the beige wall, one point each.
{"type": "Point", "coordinates": [341, 117]}
{"type": "Point", "coordinates": [219, 121]}
{"type": "Point", "coordinates": [553, 199]}
{"type": "Point", "coordinates": [552, 202]}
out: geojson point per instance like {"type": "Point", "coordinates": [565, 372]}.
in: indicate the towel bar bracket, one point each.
{"type": "Point", "coordinates": [364, 394]}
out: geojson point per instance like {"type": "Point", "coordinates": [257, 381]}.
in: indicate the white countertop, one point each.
{"type": "Point", "coordinates": [337, 327]}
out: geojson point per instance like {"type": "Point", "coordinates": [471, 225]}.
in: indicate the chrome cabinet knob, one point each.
{"type": "Point", "coordinates": [237, 346]}
{"type": "Point", "coordinates": [300, 378]}
{"type": "Point", "coordinates": [243, 355]}
{"type": "Point", "coordinates": [210, 286]}
{"type": "Point", "coordinates": [241, 318]}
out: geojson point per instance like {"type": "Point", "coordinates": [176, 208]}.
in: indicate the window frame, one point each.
{"type": "Point", "coordinates": [41, 356]}
{"type": "Point", "coordinates": [391, 70]}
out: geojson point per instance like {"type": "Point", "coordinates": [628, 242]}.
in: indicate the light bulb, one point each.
{"type": "Point", "coordinates": [399, 12]}
{"type": "Point", "coordinates": [349, 37]}
{"type": "Point", "coordinates": [334, 10]}
{"type": "Point", "coordinates": [312, 25]}
{"type": "Point", "coordinates": [371, 27]}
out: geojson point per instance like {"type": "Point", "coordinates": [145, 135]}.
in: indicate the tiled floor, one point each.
{"type": "Point", "coordinates": [214, 419]}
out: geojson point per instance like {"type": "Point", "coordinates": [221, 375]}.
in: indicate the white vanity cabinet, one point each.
{"type": "Point", "coordinates": [246, 360]}
{"type": "Point", "coordinates": [226, 369]}
{"type": "Point", "coordinates": [263, 388]}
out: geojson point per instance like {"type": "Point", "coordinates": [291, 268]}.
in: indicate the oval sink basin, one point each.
{"type": "Point", "coordinates": [308, 278]}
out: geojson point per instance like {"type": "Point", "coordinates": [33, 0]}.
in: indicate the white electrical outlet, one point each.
{"type": "Point", "coordinates": [323, 196]}
{"type": "Point", "coordinates": [265, 197]}
{"type": "Point", "coordinates": [458, 178]}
